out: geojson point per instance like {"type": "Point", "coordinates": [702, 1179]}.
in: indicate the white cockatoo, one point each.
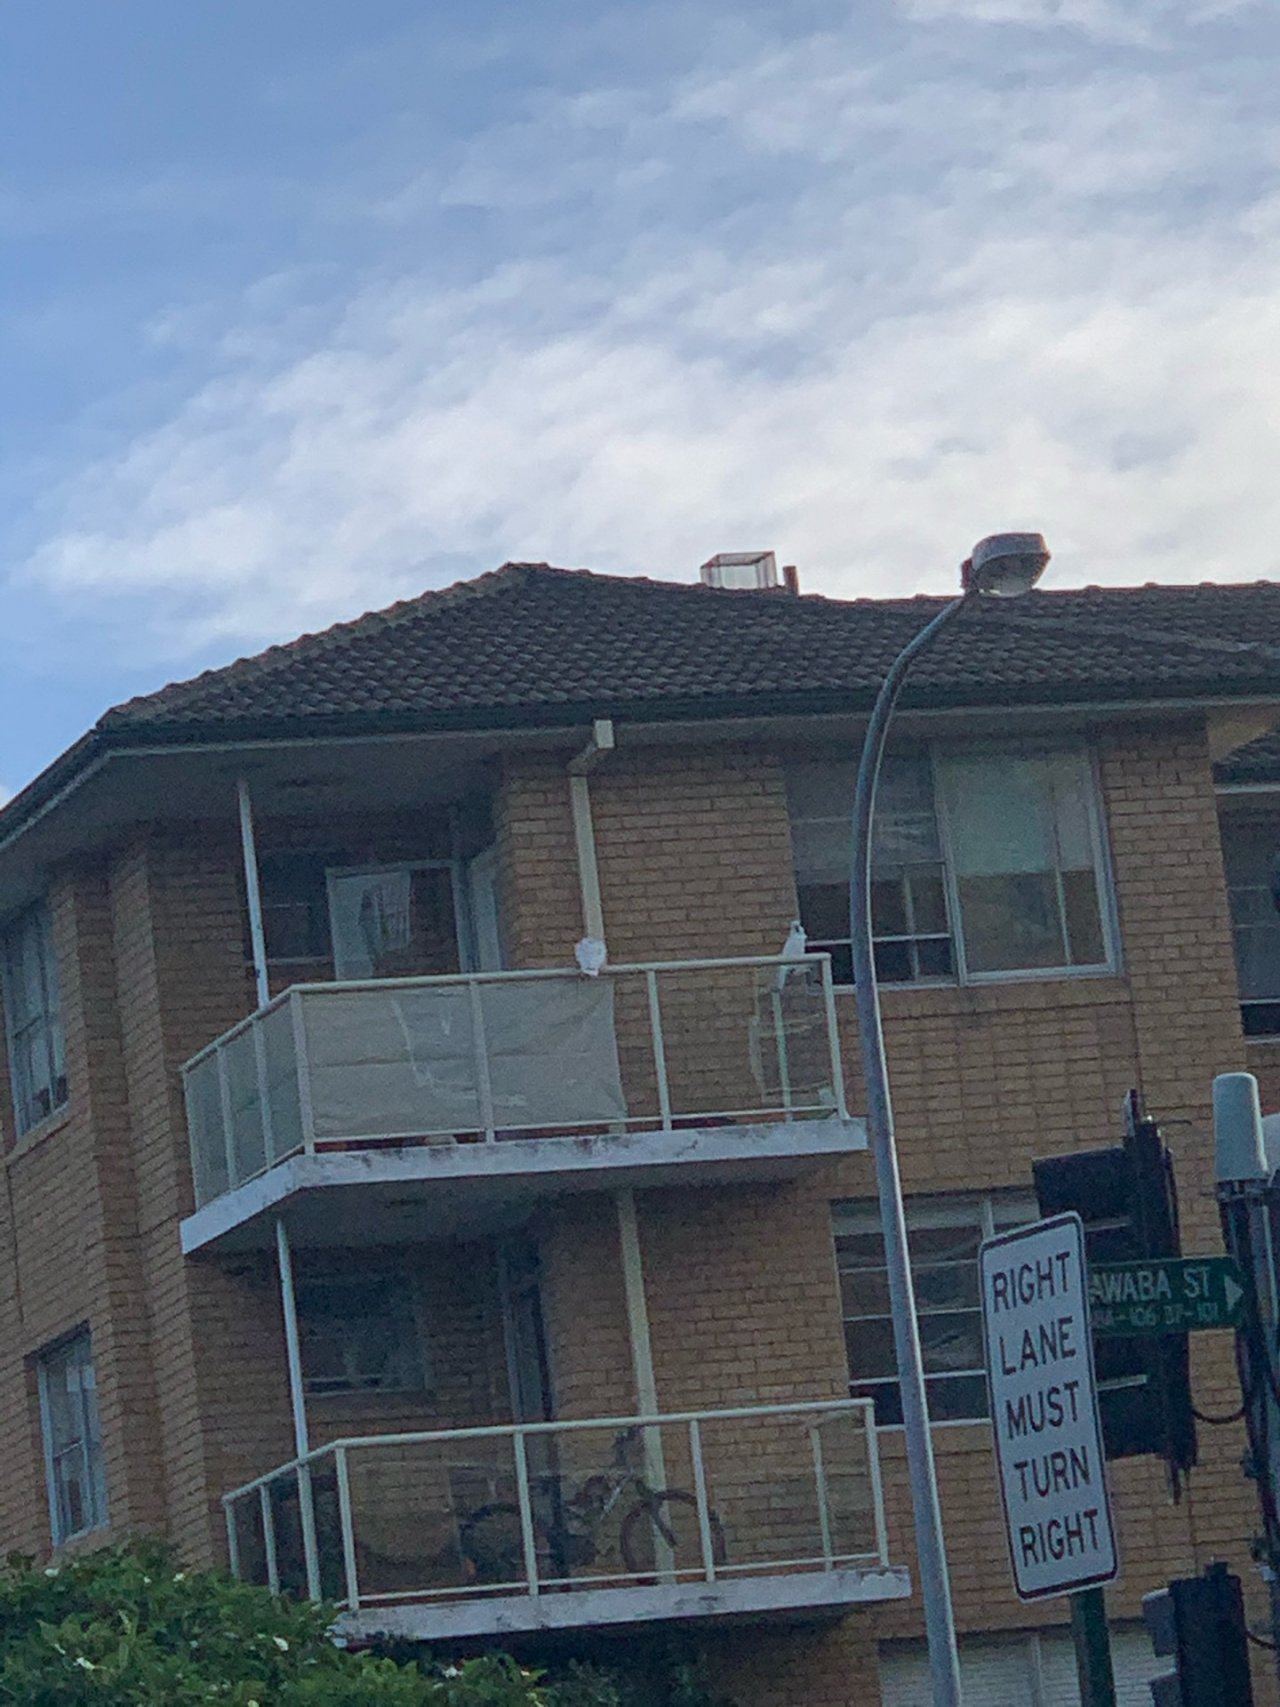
{"type": "Point", "coordinates": [591, 955]}
{"type": "Point", "coordinates": [792, 949]}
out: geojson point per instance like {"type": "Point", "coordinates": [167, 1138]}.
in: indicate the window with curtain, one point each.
{"type": "Point", "coordinates": [74, 1469]}
{"type": "Point", "coordinates": [359, 1333]}
{"type": "Point", "coordinates": [1251, 850]}
{"type": "Point", "coordinates": [33, 1020]}
{"type": "Point", "coordinates": [944, 1234]}
{"type": "Point", "coordinates": [984, 865]}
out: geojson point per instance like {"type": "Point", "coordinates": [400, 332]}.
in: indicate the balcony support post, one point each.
{"type": "Point", "coordinates": [655, 1468]}
{"type": "Point", "coordinates": [253, 893]}
{"type": "Point", "coordinates": [298, 1405]}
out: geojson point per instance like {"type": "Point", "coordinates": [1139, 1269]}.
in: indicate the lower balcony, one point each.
{"type": "Point", "coordinates": [766, 1511]}
{"type": "Point", "coordinates": [453, 1103]}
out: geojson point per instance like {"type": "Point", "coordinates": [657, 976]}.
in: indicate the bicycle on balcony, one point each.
{"type": "Point", "coordinates": [575, 1524]}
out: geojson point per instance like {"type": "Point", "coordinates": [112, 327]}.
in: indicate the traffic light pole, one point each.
{"type": "Point", "coordinates": [1092, 1641]}
{"type": "Point", "coordinates": [1249, 1200]}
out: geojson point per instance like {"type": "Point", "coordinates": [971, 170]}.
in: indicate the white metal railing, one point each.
{"type": "Point", "coordinates": [540, 1508]}
{"type": "Point", "coordinates": [514, 1055]}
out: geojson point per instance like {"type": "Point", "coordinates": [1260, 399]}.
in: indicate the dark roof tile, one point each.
{"type": "Point", "coordinates": [526, 642]}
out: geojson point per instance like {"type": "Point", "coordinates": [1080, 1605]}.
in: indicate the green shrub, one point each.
{"type": "Point", "coordinates": [125, 1628]}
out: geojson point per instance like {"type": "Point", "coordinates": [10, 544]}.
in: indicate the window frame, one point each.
{"type": "Point", "coordinates": [46, 1022]}
{"type": "Point", "coordinates": [422, 1383]}
{"type": "Point", "coordinates": [986, 1204]}
{"type": "Point", "coordinates": [1245, 818]}
{"type": "Point", "coordinates": [963, 975]}
{"type": "Point", "coordinates": [88, 1442]}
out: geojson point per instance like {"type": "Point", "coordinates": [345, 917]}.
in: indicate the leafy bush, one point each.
{"type": "Point", "coordinates": [124, 1628]}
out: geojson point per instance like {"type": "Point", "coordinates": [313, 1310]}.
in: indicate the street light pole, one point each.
{"type": "Point", "coordinates": [1004, 565]}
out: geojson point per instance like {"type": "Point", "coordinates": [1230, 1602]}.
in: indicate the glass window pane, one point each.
{"type": "Point", "coordinates": [905, 829]}
{"type": "Point", "coordinates": [947, 1285]}
{"type": "Point", "coordinates": [1084, 918]}
{"type": "Point", "coordinates": [37, 1062]}
{"type": "Point", "coordinates": [870, 1348]}
{"type": "Point", "coordinates": [1020, 835]}
{"type": "Point", "coordinates": [998, 815]}
{"type": "Point", "coordinates": [951, 1342]}
{"type": "Point", "coordinates": [945, 1234]}
{"type": "Point", "coordinates": [820, 848]}
{"type": "Point", "coordinates": [394, 922]}
{"type": "Point", "coordinates": [359, 1333]}
{"type": "Point", "coordinates": [894, 964]}
{"type": "Point", "coordinates": [889, 906]}
{"type": "Point", "coordinates": [934, 958]}
{"type": "Point", "coordinates": [864, 1292]}
{"type": "Point", "coordinates": [1011, 923]}
{"type": "Point", "coordinates": [908, 894]}
{"type": "Point", "coordinates": [824, 910]}
{"type": "Point", "coordinates": [960, 1398]}
{"type": "Point", "coordinates": [73, 1439]}
{"type": "Point", "coordinates": [887, 1397]}
{"type": "Point", "coordinates": [928, 899]}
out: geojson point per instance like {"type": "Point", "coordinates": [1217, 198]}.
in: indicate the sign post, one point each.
{"type": "Point", "coordinates": [1048, 1435]}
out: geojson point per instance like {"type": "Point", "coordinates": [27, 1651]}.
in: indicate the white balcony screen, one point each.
{"type": "Point", "coordinates": [409, 1062]}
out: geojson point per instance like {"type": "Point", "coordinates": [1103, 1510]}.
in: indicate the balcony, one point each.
{"type": "Point", "coordinates": [455, 1102]}
{"type": "Point", "coordinates": [768, 1510]}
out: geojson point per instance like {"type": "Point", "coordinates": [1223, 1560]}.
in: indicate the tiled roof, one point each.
{"type": "Point", "coordinates": [533, 644]}
{"type": "Point", "coordinates": [1256, 761]}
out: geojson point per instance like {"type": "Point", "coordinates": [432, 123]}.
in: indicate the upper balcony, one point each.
{"type": "Point", "coordinates": [768, 1510]}
{"type": "Point", "coordinates": [452, 1103]}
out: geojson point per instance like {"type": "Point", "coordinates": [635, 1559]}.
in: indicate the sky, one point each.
{"type": "Point", "coordinates": [309, 306]}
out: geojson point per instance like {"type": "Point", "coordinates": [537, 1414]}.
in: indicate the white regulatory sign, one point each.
{"type": "Point", "coordinates": [1044, 1408]}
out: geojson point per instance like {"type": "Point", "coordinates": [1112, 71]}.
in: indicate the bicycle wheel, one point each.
{"type": "Point", "coordinates": [668, 1520]}
{"type": "Point", "coordinates": [492, 1544]}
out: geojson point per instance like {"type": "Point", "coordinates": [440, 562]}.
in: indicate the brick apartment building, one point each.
{"type": "Point", "coordinates": [319, 1139]}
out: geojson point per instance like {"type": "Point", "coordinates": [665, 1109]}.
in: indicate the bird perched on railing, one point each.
{"type": "Point", "coordinates": [591, 955]}
{"type": "Point", "coordinates": [792, 949]}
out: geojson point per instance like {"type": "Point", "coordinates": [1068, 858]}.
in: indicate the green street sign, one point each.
{"type": "Point", "coordinates": [1167, 1295]}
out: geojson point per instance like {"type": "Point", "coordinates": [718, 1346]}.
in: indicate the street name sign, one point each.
{"type": "Point", "coordinates": [1165, 1295]}
{"type": "Point", "coordinates": [1044, 1408]}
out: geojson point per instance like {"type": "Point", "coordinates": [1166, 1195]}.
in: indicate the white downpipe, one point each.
{"type": "Point", "coordinates": [253, 893]}
{"type": "Point", "coordinates": [584, 835]}
{"type": "Point", "coordinates": [655, 1466]}
{"type": "Point", "coordinates": [298, 1404]}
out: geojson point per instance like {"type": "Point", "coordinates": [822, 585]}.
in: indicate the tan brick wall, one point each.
{"type": "Point", "coordinates": [985, 1079]}
{"type": "Point", "coordinates": [1263, 1060]}
{"type": "Point", "coordinates": [694, 860]}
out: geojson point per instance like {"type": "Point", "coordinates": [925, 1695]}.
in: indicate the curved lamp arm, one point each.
{"type": "Point", "coordinates": [935, 1586]}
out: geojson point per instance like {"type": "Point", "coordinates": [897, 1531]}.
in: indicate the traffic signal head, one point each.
{"type": "Point", "coordinates": [1198, 1623]}
{"type": "Point", "coordinates": [1125, 1197]}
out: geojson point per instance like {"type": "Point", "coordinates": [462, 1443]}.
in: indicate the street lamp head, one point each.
{"type": "Point", "coordinates": [1005, 565]}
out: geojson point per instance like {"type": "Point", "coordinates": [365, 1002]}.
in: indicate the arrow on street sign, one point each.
{"type": "Point", "coordinates": [1166, 1295]}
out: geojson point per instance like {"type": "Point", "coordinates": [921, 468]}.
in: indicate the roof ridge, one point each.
{"type": "Point", "coordinates": [257, 664]}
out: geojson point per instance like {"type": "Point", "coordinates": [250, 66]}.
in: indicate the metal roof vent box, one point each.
{"type": "Point", "coordinates": [750, 571]}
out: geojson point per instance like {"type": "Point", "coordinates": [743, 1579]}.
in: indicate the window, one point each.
{"type": "Point", "coordinates": [359, 1333]}
{"type": "Point", "coordinates": [984, 865]}
{"type": "Point", "coordinates": [37, 1061]}
{"type": "Point", "coordinates": [394, 921]}
{"type": "Point", "coordinates": [383, 921]}
{"type": "Point", "coordinates": [1033, 1668]}
{"type": "Point", "coordinates": [72, 1440]}
{"type": "Point", "coordinates": [944, 1235]}
{"type": "Point", "coordinates": [1251, 848]}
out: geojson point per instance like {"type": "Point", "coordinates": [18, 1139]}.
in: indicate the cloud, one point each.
{"type": "Point", "coordinates": [860, 295]}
